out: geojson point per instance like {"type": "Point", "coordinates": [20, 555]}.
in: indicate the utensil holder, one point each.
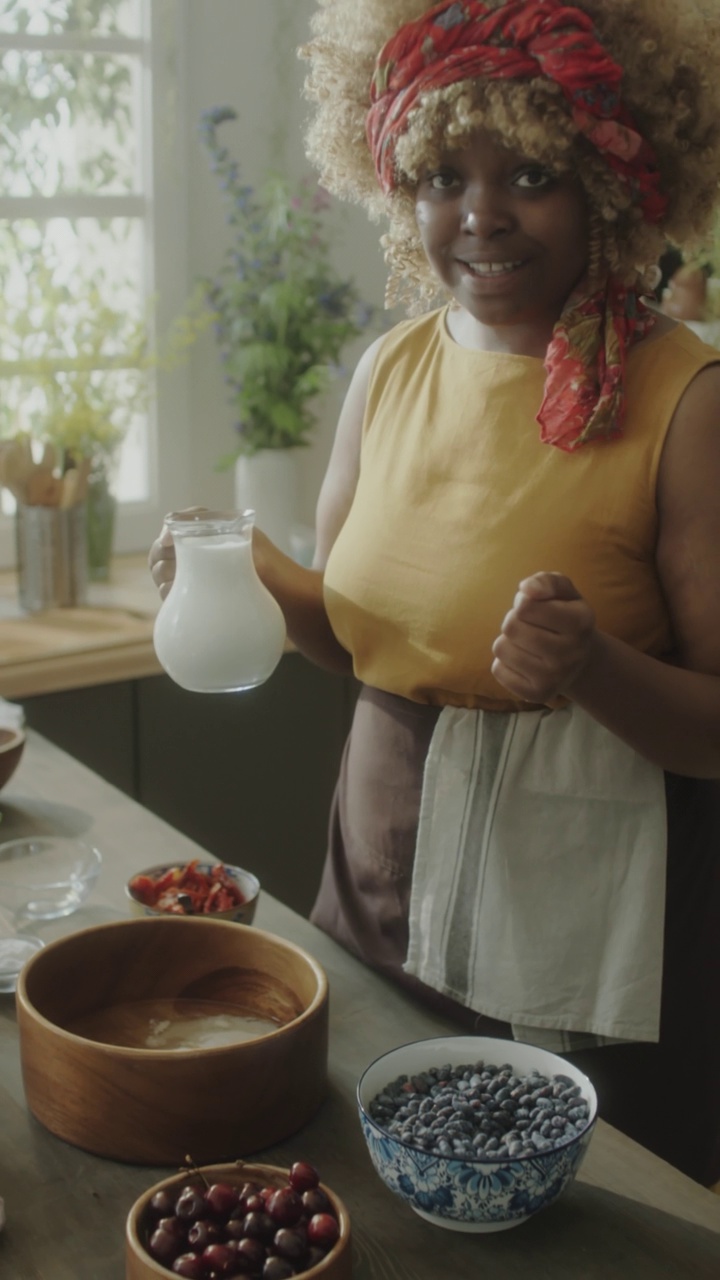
{"type": "Point", "coordinates": [51, 546]}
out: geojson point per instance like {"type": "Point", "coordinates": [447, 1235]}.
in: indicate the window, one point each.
{"type": "Point", "coordinates": [84, 87]}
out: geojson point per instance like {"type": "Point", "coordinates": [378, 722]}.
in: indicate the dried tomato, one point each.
{"type": "Point", "coordinates": [208, 891]}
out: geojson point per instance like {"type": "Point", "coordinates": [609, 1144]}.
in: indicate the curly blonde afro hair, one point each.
{"type": "Point", "coordinates": [667, 49]}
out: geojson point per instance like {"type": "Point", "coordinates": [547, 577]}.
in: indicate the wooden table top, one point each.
{"type": "Point", "coordinates": [629, 1216]}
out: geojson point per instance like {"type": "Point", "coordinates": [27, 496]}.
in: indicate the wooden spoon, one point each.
{"type": "Point", "coordinates": [49, 459]}
{"type": "Point", "coordinates": [43, 489]}
{"type": "Point", "coordinates": [17, 467]}
{"type": "Point", "coordinates": [69, 488]}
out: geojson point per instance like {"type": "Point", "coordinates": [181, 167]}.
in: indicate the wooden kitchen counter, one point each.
{"type": "Point", "coordinates": [628, 1216]}
{"type": "Point", "coordinates": [108, 639]}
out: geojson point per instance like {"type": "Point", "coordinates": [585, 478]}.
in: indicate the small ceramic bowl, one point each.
{"type": "Point", "coordinates": [241, 912]}
{"type": "Point", "coordinates": [45, 877]}
{"type": "Point", "coordinates": [12, 745]}
{"type": "Point", "coordinates": [336, 1265]}
{"type": "Point", "coordinates": [464, 1193]}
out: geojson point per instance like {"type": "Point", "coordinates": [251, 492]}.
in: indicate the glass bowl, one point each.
{"type": "Point", "coordinates": [45, 877]}
{"type": "Point", "coordinates": [15, 950]}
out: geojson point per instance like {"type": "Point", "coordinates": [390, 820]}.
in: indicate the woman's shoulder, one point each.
{"type": "Point", "coordinates": [663, 365]}
{"type": "Point", "coordinates": [662, 370]}
{"type": "Point", "coordinates": [692, 341]}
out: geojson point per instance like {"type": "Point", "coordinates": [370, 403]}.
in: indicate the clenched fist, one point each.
{"type": "Point", "coordinates": [546, 640]}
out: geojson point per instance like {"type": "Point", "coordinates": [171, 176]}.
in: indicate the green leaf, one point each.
{"type": "Point", "coordinates": [282, 314]}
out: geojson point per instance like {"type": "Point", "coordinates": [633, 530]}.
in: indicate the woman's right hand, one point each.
{"type": "Point", "coordinates": [161, 557]}
{"type": "Point", "coordinates": [161, 562]}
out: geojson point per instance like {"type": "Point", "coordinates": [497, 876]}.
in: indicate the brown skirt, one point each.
{"type": "Point", "coordinates": [665, 1096]}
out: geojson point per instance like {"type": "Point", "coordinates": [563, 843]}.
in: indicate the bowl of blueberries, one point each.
{"type": "Point", "coordinates": [474, 1133]}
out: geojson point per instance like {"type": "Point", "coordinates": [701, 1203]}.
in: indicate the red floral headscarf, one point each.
{"type": "Point", "coordinates": [523, 39]}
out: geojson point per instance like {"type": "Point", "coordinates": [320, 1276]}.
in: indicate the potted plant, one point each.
{"type": "Point", "coordinates": [692, 293]}
{"type": "Point", "coordinates": [78, 373]}
{"type": "Point", "coordinates": [76, 376]}
{"type": "Point", "coordinates": [282, 317]}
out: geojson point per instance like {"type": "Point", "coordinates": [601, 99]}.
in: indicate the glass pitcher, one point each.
{"type": "Point", "coordinates": [218, 630]}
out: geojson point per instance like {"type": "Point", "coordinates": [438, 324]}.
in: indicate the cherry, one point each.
{"type": "Point", "coordinates": [163, 1246]}
{"type": "Point", "coordinates": [315, 1201]}
{"type": "Point", "coordinates": [202, 1233]}
{"type": "Point", "coordinates": [290, 1244]}
{"type": "Point", "coordinates": [190, 1266]}
{"type": "Point", "coordinates": [163, 1204]}
{"type": "Point", "coordinates": [323, 1229]}
{"type": "Point", "coordinates": [303, 1177]}
{"type": "Point", "coordinates": [250, 1252]}
{"type": "Point", "coordinates": [249, 1201]}
{"type": "Point", "coordinates": [255, 1203]}
{"type": "Point", "coordinates": [277, 1269]}
{"type": "Point", "coordinates": [260, 1226]}
{"type": "Point", "coordinates": [191, 1204]}
{"type": "Point", "coordinates": [285, 1207]}
{"type": "Point", "coordinates": [173, 1226]}
{"type": "Point", "coordinates": [221, 1198]}
{"type": "Point", "coordinates": [219, 1259]}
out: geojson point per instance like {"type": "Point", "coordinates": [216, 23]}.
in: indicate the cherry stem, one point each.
{"type": "Point", "coordinates": [190, 1164]}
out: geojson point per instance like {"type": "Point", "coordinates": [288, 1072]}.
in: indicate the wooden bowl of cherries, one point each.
{"type": "Point", "coordinates": [239, 1222]}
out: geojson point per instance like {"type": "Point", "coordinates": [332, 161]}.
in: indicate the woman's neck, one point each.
{"type": "Point", "coordinates": [520, 340]}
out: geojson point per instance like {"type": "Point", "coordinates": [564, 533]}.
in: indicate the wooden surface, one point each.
{"type": "Point", "coordinates": [108, 639]}
{"type": "Point", "coordinates": [628, 1217]}
{"type": "Point", "coordinates": [128, 1102]}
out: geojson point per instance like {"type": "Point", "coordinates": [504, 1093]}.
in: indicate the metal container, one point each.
{"type": "Point", "coordinates": [51, 547]}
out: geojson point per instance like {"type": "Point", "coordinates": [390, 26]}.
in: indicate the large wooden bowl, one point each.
{"type": "Point", "coordinates": [336, 1265]}
{"type": "Point", "coordinates": [155, 1106]}
{"type": "Point", "coordinates": [12, 745]}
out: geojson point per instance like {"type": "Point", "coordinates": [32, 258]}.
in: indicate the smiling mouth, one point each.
{"type": "Point", "coordinates": [485, 270]}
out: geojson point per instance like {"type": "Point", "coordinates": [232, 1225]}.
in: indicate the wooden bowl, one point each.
{"type": "Point", "coordinates": [156, 1105]}
{"type": "Point", "coordinates": [336, 1265]}
{"type": "Point", "coordinates": [12, 745]}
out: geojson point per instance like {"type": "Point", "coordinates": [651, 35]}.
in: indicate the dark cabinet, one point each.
{"type": "Point", "coordinates": [95, 725]}
{"type": "Point", "coordinates": [248, 776]}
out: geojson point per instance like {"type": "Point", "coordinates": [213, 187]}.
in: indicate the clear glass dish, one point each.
{"type": "Point", "coordinates": [15, 951]}
{"type": "Point", "coordinates": [45, 877]}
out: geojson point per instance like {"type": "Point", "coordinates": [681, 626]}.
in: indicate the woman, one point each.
{"type": "Point", "coordinates": [518, 539]}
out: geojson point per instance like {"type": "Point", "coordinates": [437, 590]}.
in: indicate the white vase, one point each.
{"type": "Point", "coordinates": [267, 483]}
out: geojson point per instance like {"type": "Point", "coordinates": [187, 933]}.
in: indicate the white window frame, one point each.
{"type": "Point", "coordinates": [162, 204]}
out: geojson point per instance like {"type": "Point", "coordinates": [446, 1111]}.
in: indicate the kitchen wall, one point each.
{"type": "Point", "coordinates": [242, 53]}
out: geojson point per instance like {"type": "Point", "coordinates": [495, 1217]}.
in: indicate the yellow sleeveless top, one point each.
{"type": "Point", "coordinates": [458, 500]}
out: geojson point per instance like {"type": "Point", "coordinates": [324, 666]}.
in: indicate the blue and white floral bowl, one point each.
{"type": "Point", "coordinates": [467, 1194]}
